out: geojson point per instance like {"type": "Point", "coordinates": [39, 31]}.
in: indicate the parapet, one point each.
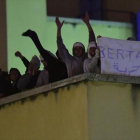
{"type": "Point", "coordinates": [84, 107]}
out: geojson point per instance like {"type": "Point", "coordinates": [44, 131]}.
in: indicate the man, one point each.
{"type": "Point", "coordinates": [4, 84]}
{"type": "Point", "coordinates": [14, 77]}
{"type": "Point", "coordinates": [43, 78]}
{"type": "Point", "coordinates": [92, 63]}
{"type": "Point", "coordinates": [29, 80]}
{"type": "Point", "coordinates": [74, 63]}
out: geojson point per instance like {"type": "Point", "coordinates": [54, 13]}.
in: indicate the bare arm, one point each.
{"type": "Point", "coordinates": [91, 32]}
{"type": "Point", "coordinates": [59, 26]}
{"type": "Point", "coordinates": [61, 47]}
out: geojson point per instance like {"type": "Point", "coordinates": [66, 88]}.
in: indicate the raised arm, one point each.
{"type": "Point", "coordinates": [60, 44]}
{"type": "Point", "coordinates": [44, 53]}
{"type": "Point", "coordinates": [24, 60]}
{"type": "Point", "coordinates": [61, 47]}
{"type": "Point", "coordinates": [59, 26]}
{"type": "Point", "coordinates": [91, 32]}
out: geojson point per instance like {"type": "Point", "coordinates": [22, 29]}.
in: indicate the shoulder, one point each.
{"type": "Point", "coordinates": [87, 60]}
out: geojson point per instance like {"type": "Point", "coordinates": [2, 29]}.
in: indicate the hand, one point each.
{"type": "Point", "coordinates": [18, 54]}
{"type": "Point", "coordinates": [97, 53]}
{"type": "Point", "coordinates": [86, 19]}
{"type": "Point", "coordinates": [99, 36]}
{"type": "Point", "coordinates": [29, 33]}
{"type": "Point", "coordinates": [58, 23]}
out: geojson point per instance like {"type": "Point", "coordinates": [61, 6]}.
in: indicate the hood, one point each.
{"type": "Point", "coordinates": [36, 60]}
{"type": "Point", "coordinates": [78, 44]}
{"type": "Point", "coordinates": [91, 44]}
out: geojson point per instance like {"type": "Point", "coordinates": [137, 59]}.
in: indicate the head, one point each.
{"type": "Point", "coordinates": [43, 61]}
{"type": "Point", "coordinates": [14, 74]}
{"type": "Point", "coordinates": [35, 63]}
{"type": "Point", "coordinates": [78, 49]}
{"type": "Point", "coordinates": [131, 39]}
{"type": "Point", "coordinates": [91, 49]}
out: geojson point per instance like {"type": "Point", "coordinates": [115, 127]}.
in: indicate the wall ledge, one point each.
{"type": "Point", "coordinates": [70, 81]}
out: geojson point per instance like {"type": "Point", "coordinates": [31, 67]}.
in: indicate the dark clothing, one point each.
{"type": "Point", "coordinates": [33, 80]}
{"type": "Point", "coordinates": [13, 89]}
{"type": "Point", "coordinates": [4, 84]}
{"type": "Point", "coordinates": [26, 63]}
{"type": "Point", "coordinates": [57, 69]}
{"type": "Point", "coordinates": [27, 81]}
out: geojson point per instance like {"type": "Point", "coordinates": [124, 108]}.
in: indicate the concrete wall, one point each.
{"type": "Point", "coordinates": [113, 111]}
{"type": "Point", "coordinates": [54, 115]}
{"type": "Point", "coordinates": [3, 36]}
{"type": "Point", "coordinates": [85, 107]}
{"type": "Point", "coordinates": [121, 5]}
{"type": "Point", "coordinates": [66, 8]}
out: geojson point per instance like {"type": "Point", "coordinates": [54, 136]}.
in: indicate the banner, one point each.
{"type": "Point", "coordinates": [119, 57]}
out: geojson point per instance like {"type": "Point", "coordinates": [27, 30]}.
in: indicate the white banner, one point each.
{"type": "Point", "coordinates": [119, 57]}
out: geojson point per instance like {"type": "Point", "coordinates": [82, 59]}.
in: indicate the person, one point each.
{"type": "Point", "coordinates": [14, 77]}
{"type": "Point", "coordinates": [4, 83]}
{"type": "Point", "coordinates": [92, 63]}
{"type": "Point", "coordinates": [63, 65]}
{"type": "Point", "coordinates": [74, 63]}
{"type": "Point", "coordinates": [54, 67]}
{"type": "Point", "coordinates": [29, 80]}
{"type": "Point", "coordinates": [43, 78]}
{"type": "Point", "coordinates": [23, 58]}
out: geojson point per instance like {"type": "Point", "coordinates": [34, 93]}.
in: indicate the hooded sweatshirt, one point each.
{"type": "Point", "coordinates": [74, 64]}
{"type": "Point", "coordinates": [91, 64]}
{"type": "Point", "coordinates": [28, 81]}
{"type": "Point", "coordinates": [43, 78]}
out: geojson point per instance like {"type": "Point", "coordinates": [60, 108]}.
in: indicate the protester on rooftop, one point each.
{"type": "Point", "coordinates": [92, 63]}
{"type": "Point", "coordinates": [74, 63]}
{"type": "Point", "coordinates": [43, 78]}
{"type": "Point", "coordinates": [55, 67]}
{"type": "Point", "coordinates": [29, 80]}
{"type": "Point", "coordinates": [14, 77]}
{"type": "Point", "coordinates": [4, 83]}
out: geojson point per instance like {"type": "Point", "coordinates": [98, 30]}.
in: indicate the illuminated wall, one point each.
{"type": "Point", "coordinates": [113, 111]}
{"type": "Point", "coordinates": [31, 14]}
{"type": "Point", "coordinates": [55, 115]}
{"type": "Point", "coordinates": [85, 107]}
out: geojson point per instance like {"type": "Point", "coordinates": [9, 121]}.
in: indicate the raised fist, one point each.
{"type": "Point", "coordinates": [18, 54]}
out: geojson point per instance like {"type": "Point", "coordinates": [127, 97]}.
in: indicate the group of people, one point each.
{"type": "Point", "coordinates": [57, 68]}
